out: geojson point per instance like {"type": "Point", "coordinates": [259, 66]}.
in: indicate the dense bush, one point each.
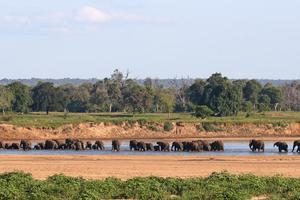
{"type": "Point", "coordinates": [217, 186]}
{"type": "Point", "coordinates": [203, 112]}
{"type": "Point", "coordinates": [168, 126]}
{"type": "Point", "coordinates": [210, 127]}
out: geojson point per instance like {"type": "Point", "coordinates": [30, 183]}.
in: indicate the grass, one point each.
{"type": "Point", "coordinates": [54, 120]}
{"type": "Point", "coordinates": [218, 186]}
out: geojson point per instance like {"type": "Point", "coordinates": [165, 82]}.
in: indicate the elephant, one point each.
{"type": "Point", "coordinates": [70, 143]}
{"type": "Point", "coordinates": [177, 146]}
{"type": "Point", "coordinates": [192, 146]}
{"type": "Point", "coordinates": [99, 145]}
{"type": "Point", "coordinates": [79, 146]}
{"type": "Point", "coordinates": [133, 145]}
{"type": "Point", "coordinates": [149, 147]}
{"type": "Point", "coordinates": [217, 145]}
{"type": "Point", "coordinates": [89, 145]}
{"type": "Point", "coordinates": [62, 146]}
{"type": "Point", "coordinates": [257, 145]}
{"type": "Point", "coordinates": [296, 144]}
{"type": "Point", "coordinates": [141, 146]}
{"type": "Point", "coordinates": [39, 146]}
{"type": "Point", "coordinates": [50, 145]}
{"type": "Point", "coordinates": [164, 146]}
{"type": "Point", "coordinates": [60, 143]}
{"type": "Point", "coordinates": [156, 148]}
{"type": "Point", "coordinates": [1, 145]}
{"type": "Point", "coordinates": [205, 144]}
{"type": "Point", "coordinates": [282, 146]}
{"type": "Point", "coordinates": [25, 145]}
{"type": "Point", "coordinates": [115, 145]}
{"type": "Point", "coordinates": [14, 146]}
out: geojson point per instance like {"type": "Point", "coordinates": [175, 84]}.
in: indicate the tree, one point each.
{"type": "Point", "coordinates": [167, 101]}
{"type": "Point", "coordinates": [44, 97]}
{"type": "Point", "coordinates": [6, 98]}
{"type": "Point", "coordinates": [203, 111]}
{"type": "Point", "coordinates": [251, 92]}
{"type": "Point", "coordinates": [196, 92]}
{"type": "Point", "coordinates": [274, 94]}
{"type": "Point", "coordinates": [21, 97]}
{"type": "Point", "coordinates": [80, 99]}
{"type": "Point", "coordinates": [222, 96]}
{"type": "Point", "coordinates": [291, 96]}
{"type": "Point", "coordinates": [134, 96]}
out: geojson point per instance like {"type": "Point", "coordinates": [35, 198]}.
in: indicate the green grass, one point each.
{"type": "Point", "coordinates": [54, 120]}
{"type": "Point", "coordinates": [218, 186]}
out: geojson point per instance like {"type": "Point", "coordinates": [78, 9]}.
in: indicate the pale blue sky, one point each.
{"type": "Point", "coordinates": [156, 38]}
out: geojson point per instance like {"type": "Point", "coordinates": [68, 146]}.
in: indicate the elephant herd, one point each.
{"type": "Point", "coordinates": [134, 145]}
{"type": "Point", "coordinates": [68, 144]}
{"type": "Point", "coordinates": [188, 146]}
{"type": "Point", "coordinates": [259, 145]}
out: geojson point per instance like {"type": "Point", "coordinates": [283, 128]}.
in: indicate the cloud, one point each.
{"type": "Point", "coordinates": [92, 15]}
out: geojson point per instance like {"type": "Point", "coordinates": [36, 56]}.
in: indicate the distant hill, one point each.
{"type": "Point", "coordinates": [164, 82]}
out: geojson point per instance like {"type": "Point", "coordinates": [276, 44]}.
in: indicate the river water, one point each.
{"type": "Point", "coordinates": [232, 148]}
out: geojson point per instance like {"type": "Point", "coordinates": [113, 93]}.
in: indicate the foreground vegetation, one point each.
{"type": "Point", "coordinates": [54, 120]}
{"type": "Point", "coordinates": [217, 186]}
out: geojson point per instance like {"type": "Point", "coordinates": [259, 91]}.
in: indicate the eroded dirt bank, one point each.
{"type": "Point", "coordinates": [125, 167]}
{"type": "Point", "coordinates": [138, 131]}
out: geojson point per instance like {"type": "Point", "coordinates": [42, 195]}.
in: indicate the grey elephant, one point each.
{"type": "Point", "coordinates": [156, 148]}
{"type": "Point", "coordinates": [282, 146]}
{"type": "Point", "coordinates": [177, 146]}
{"type": "Point", "coordinates": [164, 146]}
{"type": "Point", "coordinates": [149, 147]}
{"type": "Point", "coordinates": [205, 144]}
{"type": "Point", "coordinates": [258, 145]}
{"type": "Point", "coordinates": [1, 145]}
{"type": "Point", "coordinates": [217, 145]}
{"type": "Point", "coordinates": [133, 145]}
{"type": "Point", "coordinates": [99, 145]}
{"type": "Point", "coordinates": [116, 144]}
{"type": "Point", "coordinates": [141, 146]}
{"type": "Point", "coordinates": [79, 146]}
{"type": "Point", "coordinates": [50, 145]}
{"type": "Point", "coordinates": [296, 144]}
{"type": "Point", "coordinates": [25, 145]}
{"type": "Point", "coordinates": [13, 146]}
{"type": "Point", "coordinates": [89, 145]}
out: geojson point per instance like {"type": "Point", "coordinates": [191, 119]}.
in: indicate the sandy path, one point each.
{"type": "Point", "coordinates": [102, 166]}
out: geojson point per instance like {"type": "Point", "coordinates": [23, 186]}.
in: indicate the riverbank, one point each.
{"type": "Point", "coordinates": [106, 131]}
{"type": "Point", "coordinates": [126, 167]}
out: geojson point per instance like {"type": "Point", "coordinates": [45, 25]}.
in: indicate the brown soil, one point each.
{"type": "Point", "coordinates": [126, 131]}
{"type": "Point", "coordinates": [124, 167]}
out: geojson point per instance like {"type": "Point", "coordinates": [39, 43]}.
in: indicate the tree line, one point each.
{"type": "Point", "coordinates": [118, 93]}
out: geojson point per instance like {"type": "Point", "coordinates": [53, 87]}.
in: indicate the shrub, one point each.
{"type": "Point", "coordinates": [222, 185]}
{"type": "Point", "coordinates": [282, 124]}
{"type": "Point", "coordinates": [203, 112]}
{"type": "Point", "coordinates": [168, 126]}
{"type": "Point", "coordinates": [152, 127]}
{"type": "Point", "coordinates": [210, 127]}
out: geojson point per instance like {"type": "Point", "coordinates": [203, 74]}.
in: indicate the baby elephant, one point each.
{"type": "Point", "coordinates": [282, 146]}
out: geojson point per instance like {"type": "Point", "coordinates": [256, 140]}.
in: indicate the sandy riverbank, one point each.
{"type": "Point", "coordinates": [124, 167]}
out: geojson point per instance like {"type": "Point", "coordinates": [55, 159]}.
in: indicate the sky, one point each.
{"type": "Point", "coordinates": [150, 38]}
